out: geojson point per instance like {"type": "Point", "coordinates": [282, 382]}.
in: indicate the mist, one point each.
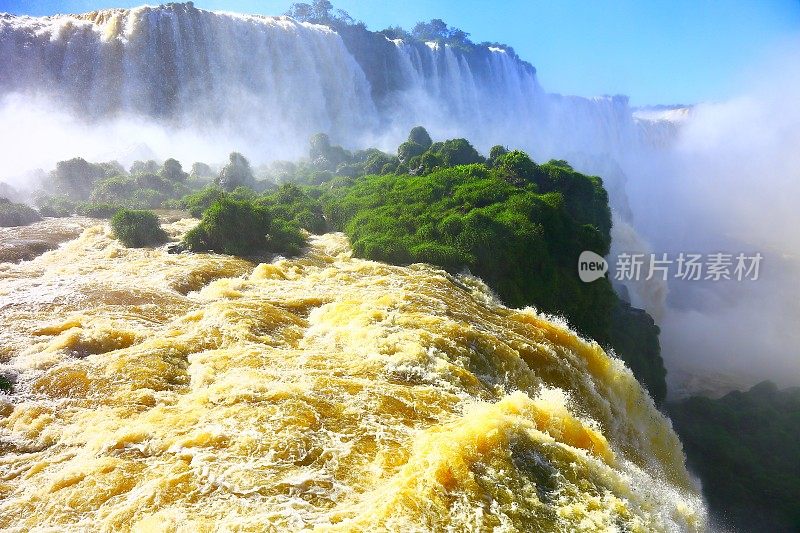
{"type": "Point", "coordinates": [36, 133]}
{"type": "Point", "coordinates": [731, 183]}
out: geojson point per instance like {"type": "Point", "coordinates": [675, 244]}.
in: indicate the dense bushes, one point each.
{"type": "Point", "coordinates": [744, 447]}
{"type": "Point", "coordinates": [293, 204]}
{"type": "Point", "coordinates": [97, 189]}
{"type": "Point", "coordinates": [137, 229]}
{"type": "Point", "coordinates": [237, 173]}
{"type": "Point", "coordinates": [76, 177]}
{"type": "Point", "coordinates": [437, 155]}
{"type": "Point", "coordinates": [13, 214]}
{"type": "Point", "coordinates": [201, 200]}
{"type": "Point", "coordinates": [231, 226]}
{"type": "Point", "coordinates": [56, 206]}
{"type": "Point", "coordinates": [97, 210]}
{"type": "Point", "coordinates": [243, 227]}
{"type": "Point", "coordinates": [518, 225]}
{"type": "Point", "coordinates": [522, 243]}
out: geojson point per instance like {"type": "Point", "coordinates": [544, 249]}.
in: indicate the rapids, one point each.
{"type": "Point", "coordinates": [200, 392]}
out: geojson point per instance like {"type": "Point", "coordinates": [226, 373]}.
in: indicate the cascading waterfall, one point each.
{"type": "Point", "coordinates": [272, 82]}
{"type": "Point", "coordinates": [191, 68]}
{"type": "Point", "coordinates": [264, 85]}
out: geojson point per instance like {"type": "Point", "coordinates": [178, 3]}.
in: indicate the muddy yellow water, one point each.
{"type": "Point", "coordinates": [159, 392]}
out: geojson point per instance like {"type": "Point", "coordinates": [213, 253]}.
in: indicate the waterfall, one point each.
{"type": "Point", "coordinates": [271, 82]}
{"type": "Point", "coordinates": [183, 66]}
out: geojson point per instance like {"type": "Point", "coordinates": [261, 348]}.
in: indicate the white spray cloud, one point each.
{"type": "Point", "coordinates": [36, 133]}
{"type": "Point", "coordinates": [732, 184]}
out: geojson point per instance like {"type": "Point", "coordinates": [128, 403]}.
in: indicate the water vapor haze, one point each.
{"type": "Point", "coordinates": [732, 184]}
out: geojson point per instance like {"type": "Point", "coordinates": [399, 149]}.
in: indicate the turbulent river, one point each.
{"type": "Point", "coordinates": [202, 392]}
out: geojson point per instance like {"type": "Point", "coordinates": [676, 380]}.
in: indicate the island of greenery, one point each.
{"type": "Point", "coordinates": [517, 224]}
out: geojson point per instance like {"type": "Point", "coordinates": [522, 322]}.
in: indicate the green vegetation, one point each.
{"type": "Point", "coordinates": [523, 243]}
{"type": "Point", "coordinates": [517, 224]}
{"type": "Point", "coordinates": [243, 227]}
{"type": "Point", "coordinates": [201, 200]}
{"type": "Point", "coordinates": [13, 214]}
{"type": "Point", "coordinates": [56, 206]}
{"type": "Point", "coordinates": [76, 177]}
{"type": "Point", "coordinates": [237, 173]}
{"type": "Point", "coordinates": [97, 210]}
{"type": "Point", "coordinates": [100, 189]}
{"type": "Point", "coordinates": [744, 447]}
{"type": "Point", "coordinates": [136, 229]}
{"type": "Point", "coordinates": [294, 205]}
{"type": "Point", "coordinates": [5, 385]}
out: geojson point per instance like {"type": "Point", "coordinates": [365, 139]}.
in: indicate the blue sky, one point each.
{"type": "Point", "coordinates": [669, 51]}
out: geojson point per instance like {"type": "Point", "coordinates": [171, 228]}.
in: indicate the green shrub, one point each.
{"type": "Point", "coordinates": [76, 177]}
{"type": "Point", "coordinates": [518, 225]}
{"type": "Point", "coordinates": [243, 193]}
{"type": "Point", "coordinates": [494, 153]}
{"type": "Point", "coordinates": [172, 203]}
{"type": "Point", "coordinates": [426, 163]}
{"type": "Point", "coordinates": [237, 173]}
{"type": "Point", "coordinates": [378, 161]}
{"type": "Point", "coordinates": [409, 150]}
{"type": "Point", "coordinates": [201, 171]}
{"type": "Point", "coordinates": [325, 156]}
{"type": "Point", "coordinates": [13, 214]}
{"type": "Point", "coordinates": [244, 228]}
{"type": "Point", "coordinates": [56, 206]}
{"type": "Point", "coordinates": [146, 199]}
{"type": "Point", "coordinates": [5, 385]}
{"type": "Point", "coordinates": [143, 190]}
{"type": "Point", "coordinates": [448, 257]}
{"type": "Point", "coordinates": [285, 237]}
{"type": "Point", "coordinates": [98, 210]}
{"type": "Point", "coordinates": [136, 229]}
{"type": "Point", "coordinates": [516, 167]}
{"type": "Point", "coordinates": [144, 167]}
{"type": "Point", "coordinates": [201, 200]}
{"type": "Point", "coordinates": [458, 152]}
{"type": "Point", "coordinates": [293, 204]}
{"type": "Point", "coordinates": [172, 171]}
{"type": "Point", "coordinates": [419, 135]}
{"type": "Point", "coordinates": [114, 189]}
{"type": "Point", "coordinates": [585, 198]}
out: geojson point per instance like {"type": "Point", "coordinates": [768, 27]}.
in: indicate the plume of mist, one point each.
{"type": "Point", "coordinates": [36, 132]}
{"type": "Point", "coordinates": [731, 184]}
